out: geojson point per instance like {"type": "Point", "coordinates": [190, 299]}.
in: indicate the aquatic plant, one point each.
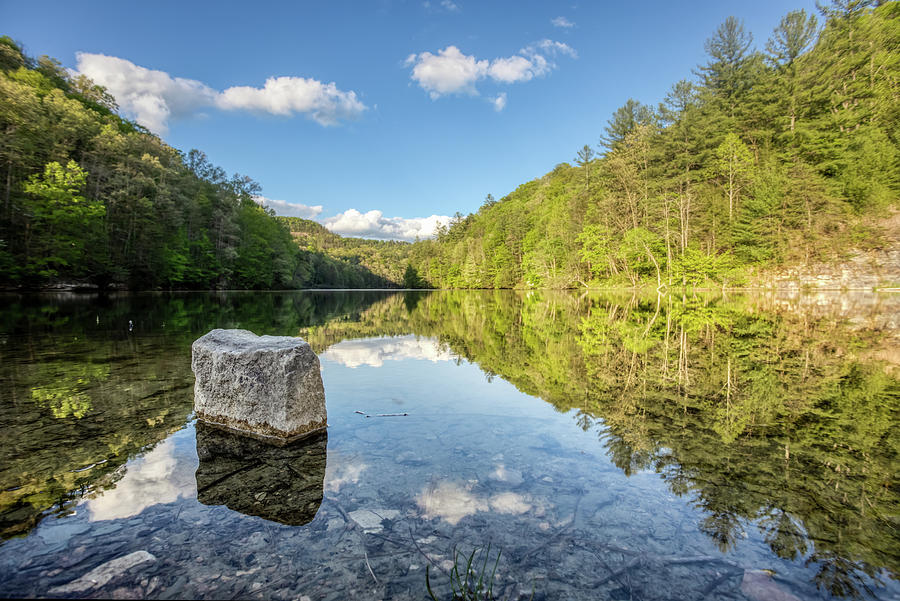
{"type": "Point", "coordinates": [473, 583]}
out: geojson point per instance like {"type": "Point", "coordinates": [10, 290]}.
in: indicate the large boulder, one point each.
{"type": "Point", "coordinates": [267, 387]}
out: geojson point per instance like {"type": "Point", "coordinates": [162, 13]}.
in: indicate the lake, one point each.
{"type": "Point", "coordinates": [587, 445]}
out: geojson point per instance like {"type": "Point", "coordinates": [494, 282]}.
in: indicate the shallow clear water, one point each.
{"type": "Point", "coordinates": [605, 447]}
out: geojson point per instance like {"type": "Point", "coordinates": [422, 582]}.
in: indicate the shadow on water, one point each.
{"type": "Point", "coordinates": [279, 484]}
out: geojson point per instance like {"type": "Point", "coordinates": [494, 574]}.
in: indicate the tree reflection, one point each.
{"type": "Point", "coordinates": [763, 412]}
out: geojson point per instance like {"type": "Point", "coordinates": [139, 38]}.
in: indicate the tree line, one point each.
{"type": "Point", "coordinates": [90, 198]}
{"type": "Point", "coordinates": [765, 158]}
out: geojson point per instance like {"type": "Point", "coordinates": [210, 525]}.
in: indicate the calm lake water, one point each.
{"type": "Point", "coordinates": [607, 447]}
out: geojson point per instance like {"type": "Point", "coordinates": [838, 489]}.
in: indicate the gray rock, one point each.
{"type": "Point", "coordinates": [268, 387]}
{"type": "Point", "coordinates": [103, 573]}
{"type": "Point", "coordinates": [371, 520]}
{"type": "Point", "coordinates": [759, 586]}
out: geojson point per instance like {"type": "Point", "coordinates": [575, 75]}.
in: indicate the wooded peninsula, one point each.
{"type": "Point", "coordinates": [763, 159]}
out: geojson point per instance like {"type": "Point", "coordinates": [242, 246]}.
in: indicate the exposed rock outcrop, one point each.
{"type": "Point", "coordinates": [268, 387]}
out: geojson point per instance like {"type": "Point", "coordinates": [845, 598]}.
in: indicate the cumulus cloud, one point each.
{"type": "Point", "coordinates": [515, 68]}
{"type": "Point", "coordinates": [562, 22]}
{"type": "Point", "coordinates": [154, 98]}
{"type": "Point", "coordinates": [323, 102]}
{"type": "Point", "coordinates": [447, 72]}
{"type": "Point", "coordinates": [374, 224]}
{"type": "Point", "coordinates": [450, 71]}
{"type": "Point", "coordinates": [289, 209]}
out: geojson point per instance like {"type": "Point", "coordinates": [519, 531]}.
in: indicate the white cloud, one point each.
{"type": "Point", "coordinates": [550, 47]}
{"type": "Point", "coordinates": [512, 69]}
{"type": "Point", "coordinates": [374, 224]}
{"type": "Point", "coordinates": [289, 209]}
{"type": "Point", "coordinates": [323, 102]}
{"type": "Point", "coordinates": [373, 352]}
{"type": "Point", "coordinates": [452, 72]}
{"type": "Point", "coordinates": [153, 98]}
{"type": "Point", "coordinates": [562, 22]}
{"type": "Point", "coordinates": [447, 72]}
{"type": "Point", "coordinates": [499, 102]}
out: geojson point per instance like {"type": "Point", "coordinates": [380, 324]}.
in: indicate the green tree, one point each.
{"type": "Point", "coordinates": [63, 223]}
{"type": "Point", "coordinates": [793, 35]}
{"type": "Point", "coordinates": [733, 164]}
{"type": "Point", "coordinates": [623, 121]}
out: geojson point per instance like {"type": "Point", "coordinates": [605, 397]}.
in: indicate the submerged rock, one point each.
{"type": "Point", "coordinates": [283, 484]}
{"type": "Point", "coordinates": [103, 573]}
{"type": "Point", "coordinates": [759, 585]}
{"type": "Point", "coordinates": [372, 520]}
{"type": "Point", "coordinates": [268, 387]}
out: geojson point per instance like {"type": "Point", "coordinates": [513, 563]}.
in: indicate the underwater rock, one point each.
{"type": "Point", "coordinates": [103, 573]}
{"type": "Point", "coordinates": [268, 387]}
{"type": "Point", "coordinates": [283, 484]}
{"type": "Point", "coordinates": [759, 585]}
{"type": "Point", "coordinates": [371, 520]}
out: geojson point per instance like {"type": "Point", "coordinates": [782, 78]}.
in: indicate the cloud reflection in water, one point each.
{"type": "Point", "coordinates": [373, 352]}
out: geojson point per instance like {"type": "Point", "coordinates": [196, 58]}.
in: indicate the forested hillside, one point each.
{"type": "Point", "coordinates": [383, 260]}
{"type": "Point", "coordinates": [759, 159]}
{"type": "Point", "coordinates": [764, 158]}
{"type": "Point", "coordinates": [89, 198]}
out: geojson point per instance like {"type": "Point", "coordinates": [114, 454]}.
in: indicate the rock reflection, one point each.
{"type": "Point", "coordinates": [280, 484]}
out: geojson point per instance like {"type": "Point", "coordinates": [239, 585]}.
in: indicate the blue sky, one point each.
{"type": "Point", "coordinates": [434, 104]}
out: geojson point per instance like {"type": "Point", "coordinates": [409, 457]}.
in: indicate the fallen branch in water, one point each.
{"type": "Point", "coordinates": [424, 554]}
{"type": "Point", "coordinates": [558, 533]}
{"type": "Point", "coordinates": [618, 572]}
{"type": "Point", "coordinates": [366, 554]}
{"type": "Point", "coordinates": [713, 585]}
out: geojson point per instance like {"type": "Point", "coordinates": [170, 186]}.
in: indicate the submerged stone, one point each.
{"type": "Point", "coordinates": [102, 574]}
{"type": "Point", "coordinates": [760, 586]}
{"type": "Point", "coordinates": [372, 520]}
{"type": "Point", "coordinates": [268, 387]}
{"type": "Point", "coordinates": [283, 484]}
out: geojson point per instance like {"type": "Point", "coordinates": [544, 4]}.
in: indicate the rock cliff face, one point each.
{"type": "Point", "coordinates": [863, 271]}
{"type": "Point", "coordinates": [877, 268]}
{"type": "Point", "coordinates": [269, 387]}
